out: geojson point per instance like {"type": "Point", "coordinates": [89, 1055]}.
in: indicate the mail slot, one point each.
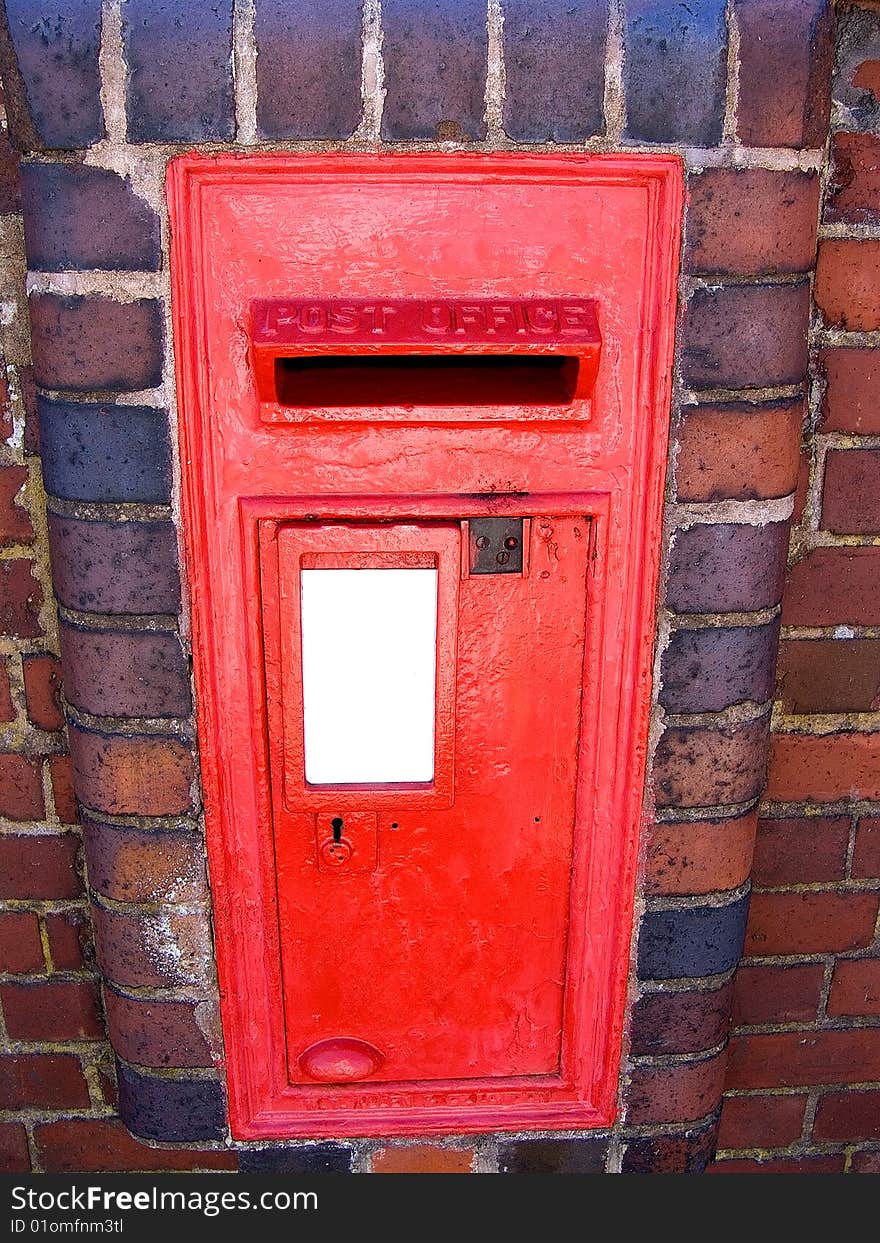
{"type": "Point", "coordinates": [423, 411]}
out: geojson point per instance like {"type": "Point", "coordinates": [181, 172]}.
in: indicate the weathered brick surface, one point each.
{"type": "Point", "coordinates": [58, 63]}
{"type": "Point", "coordinates": [738, 451]}
{"type": "Point", "coordinates": [850, 402]}
{"type": "Point", "coordinates": [63, 794]}
{"type": "Point", "coordinates": [131, 776]}
{"type": "Point", "coordinates": [800, 850]}
{"type": "Point", "coordinates": [746, 336]}
{"type": "Point", "coordinates": [143, 949]}
{"type": "Point", "coordinates": [145, 865]}
{"type": "Point", "coordinates": [779, 1165]}
{"type": "Point", "coordinates": [851, 499]}
{"type": "Point", "coordinates": [155, 1032]}
{"type": "Point", "coordinates": [115, 567]}
{"type": "Point", "coordinates": [761, 1121]}
{"type": "Point", "coordinates": [21, 597]}
{"type": "Point", "coordinates": [799, 1059]}
{"type": "Point", "coordinates": [855, 988]}
{"type": "Point", "coordinates": [677, 96]}
{"type": "Point", "coordinates": [103, 1145]}
{"type": "Point", "coordinates": [680, 1022]}
{"type": "Point", "coordinates": [710, 669]}
{"type": "Point", "coordinates": [830, 586]}
{"type": "Point", "coordinates": [848, 284]}
{"type": "Point", "coordinates": [14, 1155]}
{"type": "Point", "coordinates": [42, 688]}
{"type": "Point", "coordinates": [52, 1010]}
{"type": "Point", "coordinates": [39, 866]}
{"type": "Point", "coordinates": [15, 521]}
{"type": "Point", "coordinates": [435, 65]}
{"type": "Point", "coordinates": [703, 940]}
{"type": "Point", "coordinates": [709, 767]}
{"type": "Point", "coordinates": [21, 950]}
{"type": "Point", "coordinates": [553, 1156]}
{"type": "Point", "coordinates": [125, 673]}
{"type": "Point", "coordinates": [686, 1153]}
{"type": "Point", "coordinates": [82, 343]}
{"type": "Point", "coordinates": [69, 936]}
{"type": "Point", "coordinates": [752, 222]}
{"type": "Point", "coordinates": [854, 186]}
{"type": "Point", "coordinates": [824, 768]}
{"type": "Point", "coordinates": [302, 1159]}
{"type": "Point", "coordinates": [722, 568]}
{"type": "Point", "coordinates": [79, 217]}
{"type": "Point", "coordinates": [315, 95]}
{"type": "Point", "coordinates": [554, 56]}
{"type": "Point", "coordinates": [42, 1080]}
{"type": "Point", "coordinates": [174, 1111]}
{"type": "Point", "coordinates": [423, 1159]}
{"type": "Point", "coordinates": [866, 854]}
{"type": "Point", "coordinates": [810, 923]}
{"type": "Point", "coordinates": [771, 994]}
{"type": "Point", "coordinates": [829, 675]}
{"type": "Point", "coordinates": [102, 452]}
{"type": "Point", "coordinates": [848, 1116]}
{"type": "Point", "coordinates": [786, 51]}
{"type": "Point", "coordinates": [21, 788]}
{"type": "Point", "coordinates": [163, 103]}
{"type": "Point", "coordinates": [699, 856]}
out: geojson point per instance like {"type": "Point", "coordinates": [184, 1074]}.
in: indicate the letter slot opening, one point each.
{"type": "Point", "coordinates": [426, 380]}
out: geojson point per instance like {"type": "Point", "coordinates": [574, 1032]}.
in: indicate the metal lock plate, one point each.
{"type": "Point", "coordinates": [495, 545]}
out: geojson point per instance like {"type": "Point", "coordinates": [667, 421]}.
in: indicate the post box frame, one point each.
{"type": "Point", "coordinates": [623, 499]}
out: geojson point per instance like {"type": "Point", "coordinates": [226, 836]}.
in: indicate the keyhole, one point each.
{"type": "Point", "coordinates": [336, 826]}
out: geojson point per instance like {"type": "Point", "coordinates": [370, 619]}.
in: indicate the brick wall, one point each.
{"type": "Point", "coordinates": [96, 106]}
{"type": "Point", "coordinates": [803, 1083]}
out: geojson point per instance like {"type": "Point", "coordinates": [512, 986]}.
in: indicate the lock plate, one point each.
{"type": "Point", "coordinates": [495, 545]}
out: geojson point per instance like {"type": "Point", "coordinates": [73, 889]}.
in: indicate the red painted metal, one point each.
{"type": "Point", "coordinates": [454, 956]}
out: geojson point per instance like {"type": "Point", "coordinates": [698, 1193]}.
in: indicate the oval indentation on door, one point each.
{"type": "Point", "coordinates": [342, 1059]}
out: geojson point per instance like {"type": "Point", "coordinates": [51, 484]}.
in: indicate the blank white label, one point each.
{"type": "Point", "coordinates": [369, 653]}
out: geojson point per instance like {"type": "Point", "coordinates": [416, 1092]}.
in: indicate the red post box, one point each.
{"type": "Point", "coordinates": [423, 410]}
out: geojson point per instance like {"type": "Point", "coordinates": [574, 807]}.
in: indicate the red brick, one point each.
{"type": "Point", "coordinates": [727, 567]}
{"type": "Point", "coordinates": [79, 1145]}
{"type": "Point", "coordinates": [125, 674]}
{"type": "Point", "coordinates": [701, 767]}
{"type": "Point", "coordinates": [42, 1081]}
{"type": "Point", "coordinates": [810, 923]}
{"type": "Point", "coordinates": [145, 776]}
{"type": "Point", "coordinates": [846, 1116]}
{"type": "Point", "coordinates": [14, 1156]}
{"type": "Point", "coordinates": [21, 950]}
{"type": "Point", "coordinates": [144, 950]}
{"type": "Point", "coordinates": [824, 768]}
{"type": "Point", "coordinates": [831, 586]}
{"type": "Point", "coordinates": [851, 402]}
{"type": "Point", "coordinates": [68, 933]}
{"type": "Point", "coordinates": [155, 1033]}
{"type": "Point", "coordinates": [848, 283]}
{"type": "Point", "coordinates": [829, 675]}
{"type": "Point", "coordinates": [679, 1093]}
{"type": "Point", "coordinates": [680, 1022]}
{"type": "Point", "coordinates": [61, 772]}
{"type": "Point", "coordinates": [21, 788]}
{"type": "Point", "coordinates": [751, 222]}
{"type": "Point", "coordinates": [854, 186]}
{"type": "Point", "coordinates": [423, 1159]}
{"type": "Point", "coordinates": [21, 598]}
{"type": "Point", "coordinates": [799, 1059]}
{"type": "Point", "coordinates": [866, 855]}
{"type": "Point", "coordinates": [745, 336]}
{"type": "Point", "coordinates": [768, 994]}
{"type": "Point", "coordinates": [700, 857]}
{"type": "Point", "coordinates": [855, 987]}
{"type": "Point", "coordinates": [114, 567]}
{"type": "Point", "coordinates": [779, 1165]}
{"type": "Point", "coordinates": [145, 865]}
{"type": "Point", "coordinates": [52, 1010]}
{"type": "Point", "coordinates": [800, 851]}
{"type": "Point", "coordinates": [867, 77]}
{"type": "Point", "coordinates": [7, 707]}
{"type": "Point", "coordinates": [851, 497]}
{"type": "Point", "coordinates": [39, 866]}
{"type": "Point", "coordinates": [865, 1163]}
{"type": "Point", "coordinates": [738, 451]}
{"type": "Point", "coordinates": [42, 685]}
{"type": "Point", "coordinates": [761, 1121]}
{"type": "Point", "coordinates": [94, 342]}
{"type": "Point", "coordinates": [15, 523]}
{"type": "Point", "coordinates": [786, 57]}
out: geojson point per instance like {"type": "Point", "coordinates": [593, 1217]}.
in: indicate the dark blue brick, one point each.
{"type": "Point", "coordinates": [308, 68]}
{"type": "Point", "coordinates": [675, 70]}
{"type": "Point", "coordinates": [702, 940]}
{"type": "Point", "coordinates": [94, 452]}
{"type": "Point", "coordinates": [180, 64]}
{"type": "Point", "coordinates": [56, 47]}
{"type": "Point", "coordinates": [80, 217]}
{"type": "Point", "coordinates": [554, 62]}
{"type": "Point", "coordinates": [435, 69]}
{"type": "Point", "coordinates": [177, 1111]}
{"type": "Point", "coordinates": [309, 1159]}
{"type": "Point", "coordinates": [553, 1156]}
{"type": "Point", "coordinates": [687, 1153]}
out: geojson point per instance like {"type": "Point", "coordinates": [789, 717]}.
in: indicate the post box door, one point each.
{"type": "Point", "coordinates": [424, 684]}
